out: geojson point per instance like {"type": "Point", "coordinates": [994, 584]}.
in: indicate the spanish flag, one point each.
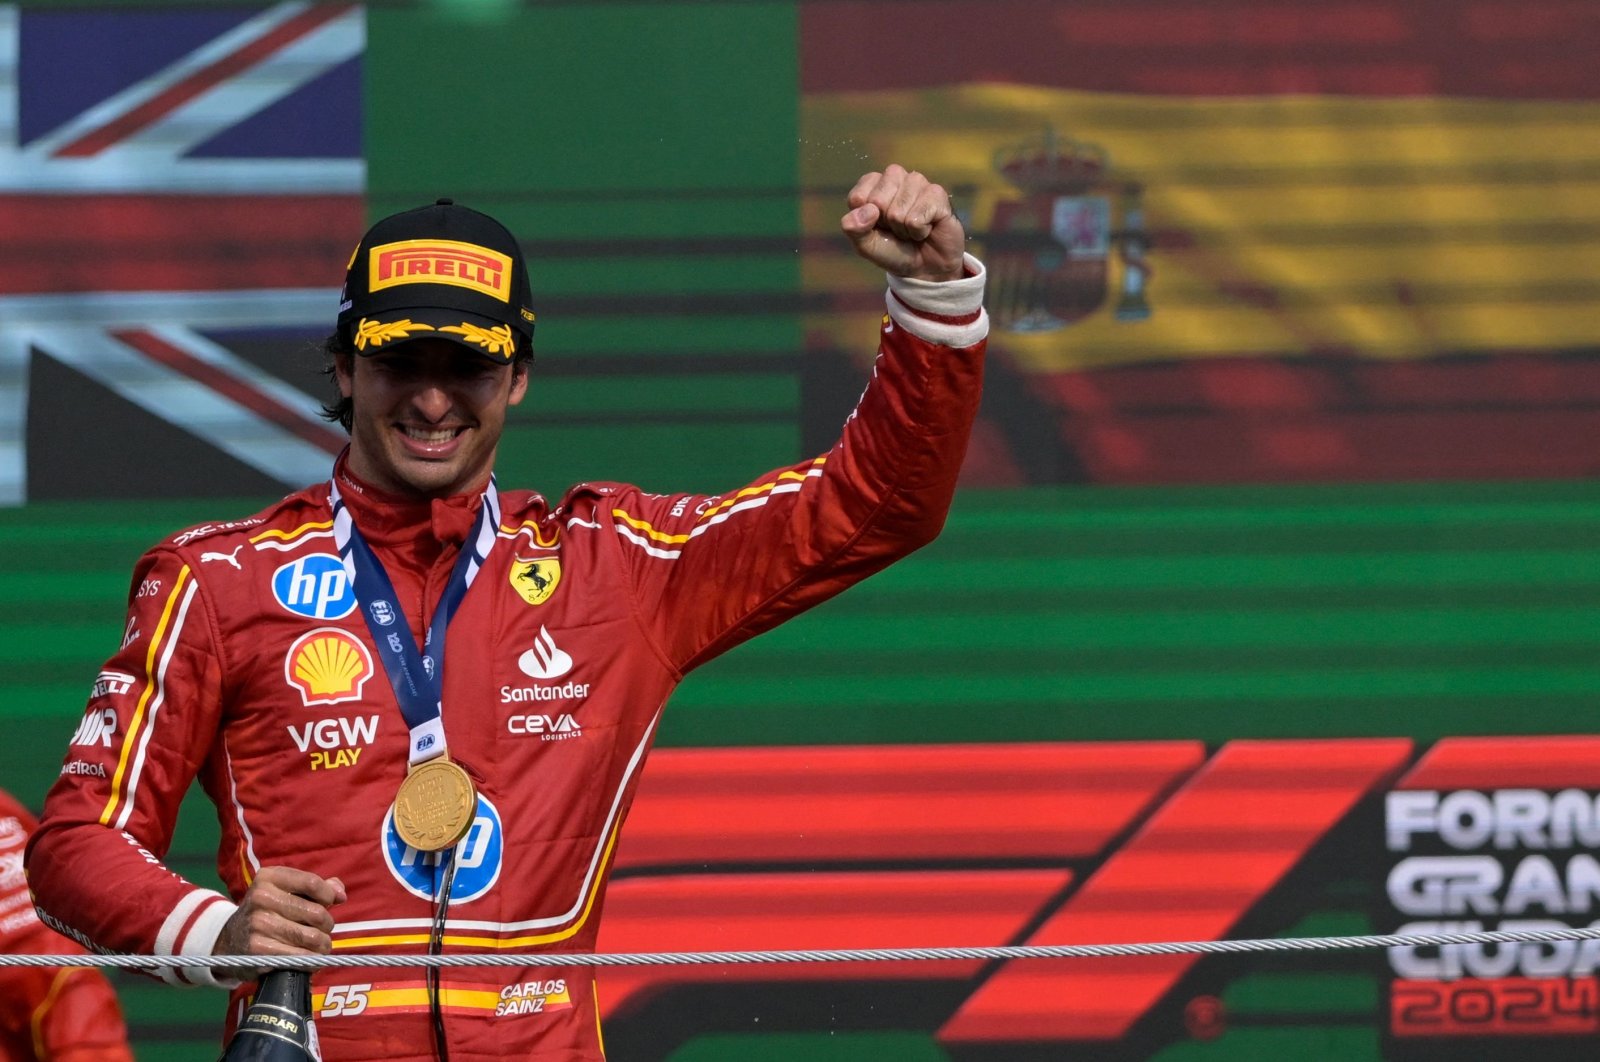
{"type": "Point", "coordinates": [1232, 241]}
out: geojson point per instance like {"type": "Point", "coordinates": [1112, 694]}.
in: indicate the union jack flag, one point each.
{"type": "Point", "coordinates": [170, 183]}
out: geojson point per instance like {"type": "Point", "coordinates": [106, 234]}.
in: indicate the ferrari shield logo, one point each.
{"type": "Point", "coordinates": [535, 580]}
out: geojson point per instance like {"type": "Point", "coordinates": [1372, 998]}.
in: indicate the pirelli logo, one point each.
{"type": "Point", "coordinates": [466, 265]}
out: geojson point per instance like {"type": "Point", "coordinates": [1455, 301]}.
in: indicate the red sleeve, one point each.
{"type": "Point", "coordinates": [11, 808]}
{"type": "Point", "coordinates": [50, 1012]}
{"type": "Point", "coordinates": [18, 926]}
{"type": "Point", "coordinates": [95, 862]}
{"type": "Point", "coordinates": [712, 571]}
{"type": "Point", "coordinates": [61, 1013]}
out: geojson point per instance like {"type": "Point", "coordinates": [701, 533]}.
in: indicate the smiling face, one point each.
{"type": "Point", "coordinates": [427, 416]}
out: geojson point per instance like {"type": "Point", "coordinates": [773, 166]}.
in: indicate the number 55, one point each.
{"type": "Point", "coordinates": [344, 1000]}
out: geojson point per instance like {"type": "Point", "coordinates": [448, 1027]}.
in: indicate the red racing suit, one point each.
{"type": "Point", "coordinates": [48, 1013]}
{"type": "Point", "coordinates": [248, 663]}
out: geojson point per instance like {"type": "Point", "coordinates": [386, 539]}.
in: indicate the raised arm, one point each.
{"type": "Point", "coordinates": [711, 571]}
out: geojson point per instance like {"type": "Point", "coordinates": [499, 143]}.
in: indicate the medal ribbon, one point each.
{"type": "Point", "coordinates": [415, 674]}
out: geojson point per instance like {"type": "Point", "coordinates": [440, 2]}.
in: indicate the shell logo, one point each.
{"type": "Point", "coordinates": [327, 665]}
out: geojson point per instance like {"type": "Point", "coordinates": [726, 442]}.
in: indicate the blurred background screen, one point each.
{"type": "Point", "coordinates": [1282, 501]}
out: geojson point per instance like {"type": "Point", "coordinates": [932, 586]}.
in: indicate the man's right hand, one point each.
{"type": "Point", "coordinates": [285, 912]}
{"type": "Point", "coordinates": [904, 224]}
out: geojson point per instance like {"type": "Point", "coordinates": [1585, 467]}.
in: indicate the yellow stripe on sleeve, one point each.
{"type": "Point", "coordinates": [760, 488]}
{"type": "Point", "coordinates": [634, 522]}
{"type": "Point", "coordinates": [731, 500]}
{"type": "Point", "coordinates": [288, 536]}
{"type": "Point", "coordinates": [131, 739]}
{"type": "Point", "coordinates": [536, 531]}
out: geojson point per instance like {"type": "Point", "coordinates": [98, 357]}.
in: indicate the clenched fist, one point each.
{"type": "Point", "coordinates": [285, 912]}
{"type": "Point", "coordinates": [904, 224]}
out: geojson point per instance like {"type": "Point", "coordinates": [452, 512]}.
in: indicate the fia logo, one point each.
{"type": "Point", "coordinates": [382, 614]}
{"type": "Point", "coordinates": [315, 587]}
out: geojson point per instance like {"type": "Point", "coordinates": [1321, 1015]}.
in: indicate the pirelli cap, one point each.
{"type": "Point", "coordinates": [440, 271]}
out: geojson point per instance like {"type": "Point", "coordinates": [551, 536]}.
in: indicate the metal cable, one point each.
{"type": "Point", "coordinates": [697, 958]}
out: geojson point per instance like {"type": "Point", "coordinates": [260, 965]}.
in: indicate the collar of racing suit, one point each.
{"type": "Point", "coordinates": [416, 534]}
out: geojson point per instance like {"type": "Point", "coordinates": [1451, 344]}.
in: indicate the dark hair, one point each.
{"type": "Point", "coordinates": [341, 410]}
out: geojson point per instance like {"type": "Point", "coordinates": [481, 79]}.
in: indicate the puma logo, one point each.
{"type": "Point", "coordinates": [231, 558]}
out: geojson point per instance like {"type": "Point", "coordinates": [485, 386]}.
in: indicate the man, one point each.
{"type": "Point", "coordinates": [47, 1013]}
{"type": "Point", "coordinates": [379, 792]}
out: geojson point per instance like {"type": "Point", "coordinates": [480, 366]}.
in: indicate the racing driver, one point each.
{"type": "Point", "coordinates": [421, 703]}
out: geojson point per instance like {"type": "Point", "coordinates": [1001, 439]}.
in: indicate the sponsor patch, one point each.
{"type": "Point", "coordinates": [109, 682]}
{"type": "Point", "coordinates": [327, 665]}
{"type": "Point", "coordinates": [315, 587]}
{"type": "Point", "coordinates": [334, 742]}
{"type": "Point", "coordinates": [183, 538]}
{"type": "Point", "coordinates": [535, 580]}
{"type": "Point", "coordinates": [562, 727]}
{"type": "Point", "coordinates": [463, 265]}
{"type": "Point", "coordinates": [545, 660]}
{"type": "Point", "coordinates": [478, 860]}
{"type": "Point", "coordinates": [97, 728]}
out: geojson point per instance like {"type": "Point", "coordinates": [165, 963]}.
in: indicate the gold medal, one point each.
{"type": "Point", "coordinates": [435, 805]}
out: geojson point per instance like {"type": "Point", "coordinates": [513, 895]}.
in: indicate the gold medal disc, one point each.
{"type": "Point", "coordinates": [435, 805]}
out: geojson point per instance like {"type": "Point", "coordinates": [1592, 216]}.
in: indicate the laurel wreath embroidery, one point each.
{"type": "Point", "coordinates": [377, 333]}
{"type": "Point", "coordinates": [496, 340]}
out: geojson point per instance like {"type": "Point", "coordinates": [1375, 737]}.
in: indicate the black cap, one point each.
{"type": "Point", "coordinates": [438, 272]}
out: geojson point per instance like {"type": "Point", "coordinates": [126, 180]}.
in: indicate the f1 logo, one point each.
{"type": "Point", "coordinates": [315, 587]}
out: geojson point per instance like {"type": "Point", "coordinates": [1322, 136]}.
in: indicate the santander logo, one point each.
{"type": "Point", "coordinates": [544, 660]}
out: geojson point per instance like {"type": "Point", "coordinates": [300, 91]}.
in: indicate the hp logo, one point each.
{"type": "Point", "coordinates": [315, 587]}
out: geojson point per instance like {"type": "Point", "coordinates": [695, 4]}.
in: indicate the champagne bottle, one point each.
{"type": "Point", "coordinates": [278, 1026]}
